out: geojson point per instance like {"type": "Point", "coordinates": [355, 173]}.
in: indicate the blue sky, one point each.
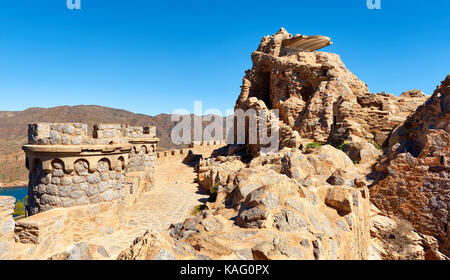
{"type": "Point", "coordinates": [153, 57]}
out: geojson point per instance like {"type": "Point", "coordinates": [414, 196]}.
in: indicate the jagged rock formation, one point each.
{"type": "Point", "coordinates": [260, 213]}
{"type": "Point", "coordinates": [218, 171]}
{"type": "Point", "coordinates": [415, 183]}
{"type": "Point", "coordinates": [318, 97]}
{"type": "Point", "coordinates": [313, 205]}
{"type": "Point", "coordinates": [396, 239]}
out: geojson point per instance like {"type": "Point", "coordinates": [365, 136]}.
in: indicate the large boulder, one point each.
{"type": "Point", "coordinates": [218, 171]}
{"type": "Point", "coordinates": [323, 161]}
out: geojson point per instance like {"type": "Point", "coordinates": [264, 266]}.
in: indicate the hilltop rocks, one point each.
{"type": "Point", "coordinates": [147, 247]}
{"type": "Point", "coordinates": [318, 97]}
{"type": "Point", "coordinates": [414, 182]}
{"type": "Point", "coordinates": [263, 214]}
{"type": "Point", "coordinates": [217, 171]}
{"type": "Point", "coordinates": [372, 116]}
{"type": "Point", "coordinates": [362, 152]}
{"type": "Point", "coordinates": [82, 251]}
{"type": "Point", "coordinates": [323, 161]}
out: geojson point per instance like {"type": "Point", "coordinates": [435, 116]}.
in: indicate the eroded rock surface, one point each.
{"type": "Point", "coordinates": [413, 175]}
{"type": "Point", "coordinates": [264, 214]}
{"type": "Point", "coordinates": [318, 97]}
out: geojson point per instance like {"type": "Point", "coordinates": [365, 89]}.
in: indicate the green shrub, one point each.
{"type": "Point", "coordinates": [356, 162]}
{"type": "Point", "coordinates": [20, 207]}
{"type": "Point", "coordinates": [198, 209]}
{"type": "Point", "coordinates": [341, 146]}
{"type": "Point", "coordinates": [314, 145]}
{"type": "Point", "coordinates": [213, 193]}
{"type": "Point", "coordinates": [375, 144]}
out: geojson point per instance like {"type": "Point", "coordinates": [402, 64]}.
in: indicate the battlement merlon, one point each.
{"type": "Point", "coordinates": [208, 143]}
{"type": "Point", "coordinates": [70, 142]}
{"type": "Point", "coordinates": [78, 134]}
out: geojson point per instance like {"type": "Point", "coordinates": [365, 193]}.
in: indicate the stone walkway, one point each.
{"type": "Point", "coordinates": [170, 201]}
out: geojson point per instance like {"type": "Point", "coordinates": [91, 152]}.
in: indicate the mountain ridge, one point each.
{"type": "Point", "coordinates": [13, 131]}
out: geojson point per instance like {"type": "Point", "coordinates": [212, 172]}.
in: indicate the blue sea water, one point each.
{"type": "Point", "coordinates": [19, 192]}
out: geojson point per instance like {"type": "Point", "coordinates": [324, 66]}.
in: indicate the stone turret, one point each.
{"type": "Point", "coordinates": [68, 166]}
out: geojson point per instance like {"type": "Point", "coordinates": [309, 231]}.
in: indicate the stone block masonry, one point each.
{"type": "Point", "coordinates": [6, 227]}
{"type": "Point", "coordinates": [69, 167]}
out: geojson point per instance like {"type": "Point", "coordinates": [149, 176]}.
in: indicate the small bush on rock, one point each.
{"type": "Point", "coordinates": [314, 145]}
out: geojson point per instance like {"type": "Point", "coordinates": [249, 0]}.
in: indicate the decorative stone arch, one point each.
{"type": "Point", "coordinates": [144, 149]}
{"type": "Point", "coordinates": [104, 165]}
{"type": "Point", "coordinates": [81, 164]}
{"type": "Point", "coordinates": [58, 164]}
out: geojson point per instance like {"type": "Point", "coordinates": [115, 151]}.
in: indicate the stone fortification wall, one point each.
{"type": "Point", "coordinates": [58, 229]}
{"type": "Point", "coordinates": [68, 167]}
{"type": "Point", "coordinates": [196, 149]}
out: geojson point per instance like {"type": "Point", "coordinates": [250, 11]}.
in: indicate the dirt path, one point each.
{"type": "Point", "coordinates": [170, 201]}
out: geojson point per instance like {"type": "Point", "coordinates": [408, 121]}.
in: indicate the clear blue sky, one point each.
{"type": "Point", "coordinates": [155, 56]}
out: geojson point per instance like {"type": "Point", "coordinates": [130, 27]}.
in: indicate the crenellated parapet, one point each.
{"type": "Point", "coordinates": [200, 148]}
{"type": "Point", "coordinates": [69, 165]}
{"type": "Point", "coordinates": [206, 148]}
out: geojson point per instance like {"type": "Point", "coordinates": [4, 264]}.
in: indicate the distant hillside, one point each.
{"type": "Point", "coordinates": [13, 131]}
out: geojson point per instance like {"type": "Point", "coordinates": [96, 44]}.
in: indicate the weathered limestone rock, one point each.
{"type": "Point", "coordinates": [413, 178]}
{"type": "Point", "coordinates": [323, 161]}
{"type": "Point", "coordinates": [7, 227]}
{"type": "Point", "coordinates": [263, 214]}
{"type": "Point", "coordinates": [318, 97]}
{"type": "Point", "coordinates": [396, 239]}
{"type": "Point", "coordinates": [82, 252]}
{"type": "Point", "coordinates": [362, 152]}
{"type": "Point", "coordinates": [218, 171]}
{"type": "Point", "coordinates": [372, 116]}
{"type": "Point", "coordinates": [154, 245]}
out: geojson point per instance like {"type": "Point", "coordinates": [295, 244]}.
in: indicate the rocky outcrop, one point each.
{"type": "Point", "coordinates": [218, 171]}
{"type": "Point", "coordinates": [322, 162]}
{"type": "Point", "coordinates": [82, 252]}
{"type": "Point", "coordinates": [317, 97]}
{"type": "Point", "coordinates": [372, 116]}
{"type": "Point", "coordinates": [413, 180]}
{"type": "Point", "coordinates": [396, 239]}
{"type": "Point", "coordinates": [263, 214]}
